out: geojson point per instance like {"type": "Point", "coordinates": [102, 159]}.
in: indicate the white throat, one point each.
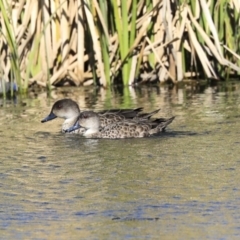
{"type": "Point", "coordinates": [68, 123]}
{"type": "Point", "coordinates": [90, 132]}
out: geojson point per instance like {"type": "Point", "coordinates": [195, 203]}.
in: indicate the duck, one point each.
{"type": "Point", "coordinates": [69, 110]}
{"type": "Point", "coordinates": [127, 128]}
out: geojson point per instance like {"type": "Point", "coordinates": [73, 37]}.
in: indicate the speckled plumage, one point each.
{"type": "Point", "coordinates": [134, 128]}
{"type": "Point", "coordinates": [69, 110]}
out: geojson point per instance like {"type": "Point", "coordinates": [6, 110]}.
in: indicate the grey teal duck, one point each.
{"type": "Point", "coordinates": [126, 128]}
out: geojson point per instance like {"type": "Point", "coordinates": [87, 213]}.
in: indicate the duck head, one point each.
{"type": "Point", "coordinates": [64, 108]}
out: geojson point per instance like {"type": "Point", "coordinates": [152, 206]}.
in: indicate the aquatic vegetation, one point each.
{"type": "Point", "coordinates": [53, 43]}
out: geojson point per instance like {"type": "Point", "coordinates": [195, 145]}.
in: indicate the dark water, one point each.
{"type": "Point", "coordinates": [183, 184]}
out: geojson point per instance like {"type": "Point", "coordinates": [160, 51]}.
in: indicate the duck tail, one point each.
{"type": "Point", "coordinates": [161, 127]}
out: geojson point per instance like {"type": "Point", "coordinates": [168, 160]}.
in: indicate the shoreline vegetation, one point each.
{"type": "Point", "coordinates": [79, 42]}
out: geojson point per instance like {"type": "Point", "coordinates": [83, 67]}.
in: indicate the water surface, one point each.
{"type": "Point", "coordinates": [183, 184]}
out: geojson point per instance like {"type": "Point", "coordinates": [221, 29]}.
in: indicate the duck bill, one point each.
{"type": "Point", "coordinates": [73, 128]}
{"type": "Point", "coordinates": [51, 116]}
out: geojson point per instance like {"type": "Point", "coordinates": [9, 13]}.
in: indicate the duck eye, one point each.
{"type": "Point", "coordinates": [59, 106]}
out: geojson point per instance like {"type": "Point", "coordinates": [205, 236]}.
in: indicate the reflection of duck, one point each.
{"type": "Point", "coordinates": [128, 128]}
{"type": "Point", "coordinates": [69, 110]}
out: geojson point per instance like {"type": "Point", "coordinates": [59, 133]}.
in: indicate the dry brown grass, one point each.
{"type": "Point", "coordinates": [60, 42]}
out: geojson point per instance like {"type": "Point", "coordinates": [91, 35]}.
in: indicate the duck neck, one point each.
{"type": "Point", "coordinates": [91, 131]}
{"type": "Point", "coordinates": [69, 122]}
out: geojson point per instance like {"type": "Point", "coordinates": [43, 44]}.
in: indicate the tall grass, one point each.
{"type": "Point", "coordinates": [11, 56]}
{"type": "Point", "coordinates": [107, 42]}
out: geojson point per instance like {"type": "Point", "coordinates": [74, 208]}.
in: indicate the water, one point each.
{"type": "Point", "coordinates": [183, 184]}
